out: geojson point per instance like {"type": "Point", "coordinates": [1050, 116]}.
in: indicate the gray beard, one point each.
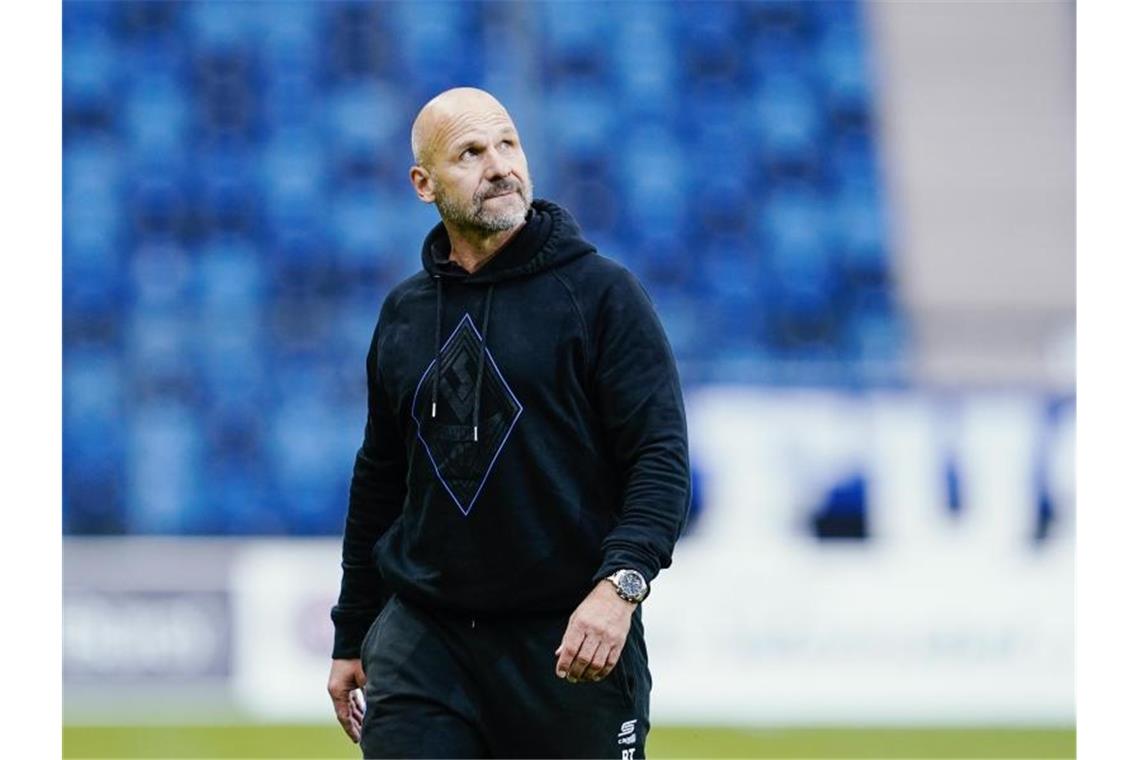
{"type": "Point", "coordinates": [476, 216]}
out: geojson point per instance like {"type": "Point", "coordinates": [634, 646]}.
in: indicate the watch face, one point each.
{"type": "Point", "coordinates": [631, 584]}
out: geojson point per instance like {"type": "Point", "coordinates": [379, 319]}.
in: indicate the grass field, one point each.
{"type": "Point", "coordinates": [303, 741]}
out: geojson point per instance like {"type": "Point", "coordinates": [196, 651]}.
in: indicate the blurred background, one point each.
{"type": "Point", "coordinates": [856, 221]}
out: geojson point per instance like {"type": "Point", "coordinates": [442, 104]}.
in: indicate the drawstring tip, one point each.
{"type": "Point", "coordinates": [476, 433]}
{"type": "Point", "coordinates": [433, 410]}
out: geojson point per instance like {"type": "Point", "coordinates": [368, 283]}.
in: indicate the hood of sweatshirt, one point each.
{"type": "Point", "coordinates": [550, 238]}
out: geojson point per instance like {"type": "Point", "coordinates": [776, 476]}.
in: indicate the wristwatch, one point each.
{"type": "Point", "coordinates": [630, 585]}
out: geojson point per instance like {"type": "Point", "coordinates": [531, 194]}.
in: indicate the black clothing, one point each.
{"type": "Point", "coordinates": [509, 464]}
{"type": "Point", "coordinates": [443, 685]}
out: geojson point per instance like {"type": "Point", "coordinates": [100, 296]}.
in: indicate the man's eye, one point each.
{"type": "Point", "coordinates": [469, 153]}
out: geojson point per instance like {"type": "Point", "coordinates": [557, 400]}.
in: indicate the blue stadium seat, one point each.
{"type": "Point", "coordinates": [585, 120]}
{"type": "Point", "coordinates": [94, 391]}
{"type": "Point", "coordinates": [92, 228]}
{"type": "Point", "coordinates": [841, 67]}
{"type": "Point", "coordinates": [158, 346]}
{"type": "Point", "coordinates": [91, 71]}
{"type": "Point", "coordinates": [89, 19]}
{"type": "Point", "coordinates": [860, 229]}
{"type": "Point", "coordinates": [643, 55]}
{"type": "Point", "coordinates": [230, 276]}
{"type": "Point", "coordinates": [288, 34]}
{"type": "Point", "coordinates": [780, 51]}
{"type": "Point", "coordinates": [312, 449]}
{"type": "Point", "coordinates": [287, 98]}
{"type": "Point", "coordinates": [357, 223]}
{"type": "Point", "coordinates": [797, 227]}
{"type": "Point", "coordinates": [163, 484]}
{"type": "Point", "coordinates": [242, 504]}
{"type": "Point", "coordinates": [788, 120]}
{"type": "Point", "coordinates": [578, 42]}
{"type": "Point", "coordinates": [681, 315]}
{"type": "Point", "coordinates": [440, 43]}
{"type": "Point", "coordinates": [363, 117]}
{"type": "Point", "coordinates": [697, 23]}
{"type": "Point", "coordinates": [156, 116]}
{"type": "Point", "coordinates": [292, 173]}
{"type": "Point", "coordinates": [222, 25]}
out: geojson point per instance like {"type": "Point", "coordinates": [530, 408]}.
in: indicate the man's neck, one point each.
{"type": "Point", "coordinates": [472, 249]}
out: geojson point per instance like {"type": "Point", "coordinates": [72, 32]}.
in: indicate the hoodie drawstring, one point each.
{"type": "Point", "coordinates": [482, 356]}
{"type": "Point", "coordinates": [439, 353]}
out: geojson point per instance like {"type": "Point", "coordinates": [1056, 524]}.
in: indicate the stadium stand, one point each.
{"type": "Point", "coordinates": [235, 206]}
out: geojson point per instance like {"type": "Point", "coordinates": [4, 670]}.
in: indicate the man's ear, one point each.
{"type": "Point", "coordinates": [422, 183]}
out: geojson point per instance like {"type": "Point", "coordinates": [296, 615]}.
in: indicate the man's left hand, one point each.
{"type": "Point", "coordinates": [595, 636]}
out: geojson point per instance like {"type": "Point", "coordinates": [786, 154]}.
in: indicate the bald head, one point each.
{"type": "Point", "coordinates": [446, 114]}
{"type": "Point", "coordinates": [470, 162]}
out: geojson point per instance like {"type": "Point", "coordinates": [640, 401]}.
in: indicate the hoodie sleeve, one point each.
{"type": "Point", "coordinates": [376, 498]}
{"type": "Point", "coordinates": [637, 393]}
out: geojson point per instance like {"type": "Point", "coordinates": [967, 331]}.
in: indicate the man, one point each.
{"type": "Point", "coordinates": [523, 477]}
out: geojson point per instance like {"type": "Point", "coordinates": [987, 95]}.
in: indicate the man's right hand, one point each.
{"type": "Point", "coordinates": [345, 678]}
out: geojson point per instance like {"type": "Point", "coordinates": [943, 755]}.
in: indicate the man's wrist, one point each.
{"type": "Point", "coordinates": [629, 584]}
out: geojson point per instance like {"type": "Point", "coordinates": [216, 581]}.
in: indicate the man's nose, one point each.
{"type": "Point", "coordinates": [497, 165]}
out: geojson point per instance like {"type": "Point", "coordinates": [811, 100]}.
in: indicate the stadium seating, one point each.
{"type": "Point", "coordinates": [235, 206]}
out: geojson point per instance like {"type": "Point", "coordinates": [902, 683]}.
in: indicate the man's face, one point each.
{"type": "Point", "coordinates": [479, 172]}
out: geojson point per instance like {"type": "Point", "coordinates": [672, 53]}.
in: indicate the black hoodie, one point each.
{"type": "Point", "coordinates": [557, 452]}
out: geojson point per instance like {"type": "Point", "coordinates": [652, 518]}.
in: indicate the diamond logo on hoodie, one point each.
{"type": "Point", "coordinates": [461, 463]}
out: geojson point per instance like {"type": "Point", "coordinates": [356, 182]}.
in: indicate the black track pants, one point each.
{"type": "Point", "coordinates": [445, 686]}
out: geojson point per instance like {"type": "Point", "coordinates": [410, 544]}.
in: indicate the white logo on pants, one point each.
{"type": "Point", "coordinates": [627, 736]}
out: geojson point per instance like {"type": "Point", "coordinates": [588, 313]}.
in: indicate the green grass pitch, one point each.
{"type": "Point", "coordinates": [309, 741]}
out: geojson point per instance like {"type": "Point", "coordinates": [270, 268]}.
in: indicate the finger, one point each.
{"type": "Point", "coordinates": [571, 643]}
{"type": "Point", "coordinates": [578, 664]}
{"type": "Point", "coordinates": [567, 652]}
{"type": "Point", "coordinates": [341, 707]}
{"type": "Point", "coordinates": [356, 703]}
{"type": "Point", "coordinates": [611, 662]}
{"type": "Point", "coordinates": [582, 661]}
{"type": "Point", "coordinates": [598, 663]}
{"type": "Point", "coordinates": [343, 710]}
{"type": "Point", "coordinates": [351, 728]}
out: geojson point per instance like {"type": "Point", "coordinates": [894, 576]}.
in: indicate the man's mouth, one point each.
{"type": "Point", "coordinates": [511, 191]}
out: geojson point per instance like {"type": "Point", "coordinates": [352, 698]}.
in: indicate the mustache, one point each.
{"type": "Point", "coordinates": [500, 187]}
